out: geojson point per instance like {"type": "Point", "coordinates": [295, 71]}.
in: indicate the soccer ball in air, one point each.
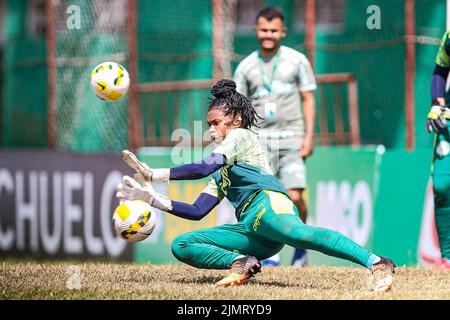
{"type": "Point", "coordinates": [110, 81]}
{"type": "Point", "coordinates": [134, 220]}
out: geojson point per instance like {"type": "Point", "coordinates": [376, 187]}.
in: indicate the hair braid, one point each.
{"type": "Point", "coordinates": [233, 103]}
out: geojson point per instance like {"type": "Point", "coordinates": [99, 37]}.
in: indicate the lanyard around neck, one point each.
{"type": "Point", "coordinates": [265, 76]}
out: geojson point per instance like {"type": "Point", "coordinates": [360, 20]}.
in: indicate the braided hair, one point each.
{"type": "Point", "coordinates": [231, 102]}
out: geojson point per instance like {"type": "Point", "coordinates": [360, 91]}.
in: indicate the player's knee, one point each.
{"type": "Point", "coordinates": [441, 189]}
{"type": "Point", "coordinates": [180, 246]}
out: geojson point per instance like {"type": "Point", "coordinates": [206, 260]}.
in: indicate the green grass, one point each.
{"type": "Point", "coordinates": [49, 280]}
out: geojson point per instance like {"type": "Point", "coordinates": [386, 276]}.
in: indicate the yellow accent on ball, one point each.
{"type": "Point", "coordinates": [119, 76]}
{"type": "Point", "coordinates": [102, 86]}
{"type": "Point", "coordinates": [123, 211]}
{"type": "Point", "coordinates": [114, 95]}
{"type": "Point", "coordinates": [143, 219]}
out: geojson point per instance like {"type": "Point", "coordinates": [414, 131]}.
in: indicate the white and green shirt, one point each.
{"type": "Point", "coordinates": [246, 173]}
{"type": "Point", "coordinates": [273, 86]}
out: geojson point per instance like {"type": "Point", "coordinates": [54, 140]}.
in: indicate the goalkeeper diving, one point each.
{"type": "Point", "coordinates": [267, 218]}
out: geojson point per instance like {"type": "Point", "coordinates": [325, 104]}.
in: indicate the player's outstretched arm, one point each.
{"type": "Point", "coordinates": [130, 189]}
{"type": "Point", "coordinates": [191, 171]}
{"type": "Point", "coordinates": [197, 211]}
{"type": "Point", "coordinates": [199, 169]}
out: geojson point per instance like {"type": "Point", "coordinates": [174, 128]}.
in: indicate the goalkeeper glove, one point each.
{"type": "Point", "coordinates": [130, 189]}
{"type": "Point", "coordinates": [144, 172]}
{"type": "Point", "coordinates": [436, 118]}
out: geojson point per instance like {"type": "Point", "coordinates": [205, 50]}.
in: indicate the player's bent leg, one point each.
{"type": "Point", "coordinates": [294, 233]}
{"type": "Point", "coordinates": [332, 243]}
{"type": "Point", "coordinates": [196, 250]}
{"type": "Point", "coordinates": [280, 221]}
{"type": "Point", "coordinates": [190, 249]}
{"type": "Point", "coordinates": [224, 247]}
{"type": "Point", "coordinates": [283, 223]}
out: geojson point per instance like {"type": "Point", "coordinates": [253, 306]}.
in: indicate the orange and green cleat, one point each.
{"type": "Point", "coordinates": [241, 271]}
{"type": "Point", "coordinates": [382, 272]}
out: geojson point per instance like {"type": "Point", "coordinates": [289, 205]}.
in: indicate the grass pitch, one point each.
{"type": "Point", "coordinates": [54, 280]}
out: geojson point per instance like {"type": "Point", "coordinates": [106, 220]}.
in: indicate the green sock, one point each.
{"type": "Point", "coordinates": [442, 219]}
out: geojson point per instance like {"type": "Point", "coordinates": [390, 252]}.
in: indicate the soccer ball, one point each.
{"type": "Point", "coordinates": [134, 220]}
{"type": "Point", "coordinates": [110, 81]}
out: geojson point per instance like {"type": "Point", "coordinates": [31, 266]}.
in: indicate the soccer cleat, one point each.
{"type": "Point", "coordinates": [300, 258]}
{"type": "Point", "coordinates": [270, 263]}
{"type": "Point", "coordinates": [241, 271]}
{"type": "Point", "coordinates": [382, 274]}
{"type": "Point", "coordinates": [273, 261]}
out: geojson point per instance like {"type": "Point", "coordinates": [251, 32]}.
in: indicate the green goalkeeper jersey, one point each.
{"type": "Point", "coordinates": [246, 173]}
